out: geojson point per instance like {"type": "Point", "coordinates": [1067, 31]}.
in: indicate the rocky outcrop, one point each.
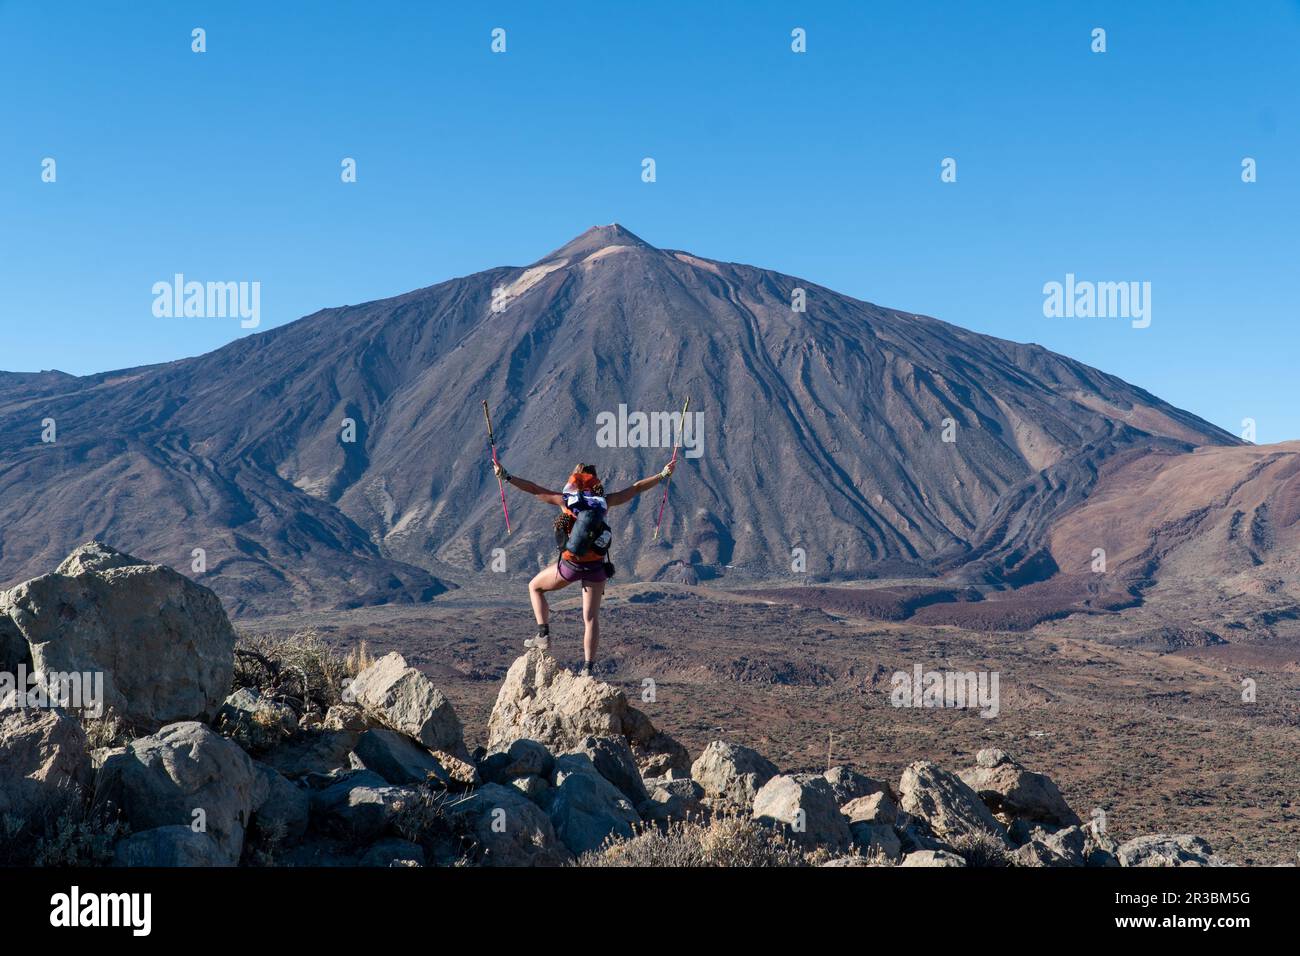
{"type": "Point", "coordinates": [173, 845]}
{"type": "Point", "coordinates": [586, 809]}
{"type": "Point", "coordinates": [405, 700]}
{"type": "Point", "coordinates": [1011, 791]}
{"type": "Point", "coordinates": [731, 775]}
{"type": "Point", "coordinates": [932, 858]}
{"type": "Point", "coordinates": [184, 775]}
{"type": "Point", "coordinates": [945, 803]}
{"type": "Point", "coordinates": [1182, 849]}
{"type": "Point", "coordinates": [540, 700]}
{"type": "Point", "coordinates": [163, 643]}
{"type": "Point", "coordinates": [804, 806]}
{"type": "Point", "coordinates": [509, 829]}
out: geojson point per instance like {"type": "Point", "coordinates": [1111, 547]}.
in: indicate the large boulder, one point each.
{"type": "Point", "coordinates": [279, 805]}
{"type": "Point", "coordinates": [613, 760]}
{"type": "Point", "coordinates": [680, 799]}
{"type": "Point", "coordinates": [932, 858]}
{"type": "Point", "coordinates": [1007, 788]}
{"type": "Point", "coordinates": [14, 652]}
{"type": "Point", "coordinates": [255, 721]}
{"type": "Point", "coordinates": [313, 752]}
{"type": "Point", "coordinates": [804, 807]}
{"type": "Point", "coordinates": [186, 775]}
{"type": "Point", "coordinates": [397, 758]}
{"type": "Point", "coordinates": [945, 803]}
{"type": "Point", "coordinates": [847, 784]}
{"type": "Point", "coordinates": [43, 759]}
{"type": "Point", "coordinates": [523, 758]}
{"type": "Point", "coordinates": [586, 809]}
{"type": "Point", "coordinates": [877, 808]}
{"type": "Point", "coordinates": [730, 774]}
{"type": "Point", "coordinates": [508, 828]}
{"type": "Point", "coordinates": [405, 700]}
{"type": "Point", "coordinates": [1163, 849]}
{"type": "Point", "coordinates": [173, 845]}
{"type": "Point", "coordinates": [872, 838]}
{"type": "Point", "coordinates": [540, 700]}
{"type": "Point", "coordinates": [162, 642]}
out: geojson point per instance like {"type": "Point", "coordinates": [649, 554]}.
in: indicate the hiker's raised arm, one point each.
{"type": "Point", "coordinates": [524, 485]}
{"type": "Point", "coordinates": [645, 484]}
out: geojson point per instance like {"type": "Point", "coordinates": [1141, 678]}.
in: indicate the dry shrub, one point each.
{"type": "Point", "coordinates": [981, 849]}
{"type": "Point", "coordinates": [107, 730]}
{"type": "Point", "coordinates": [72, 829]}
{"type": "Point", "coordinates": [723, 841]}
{"type": "Point", "coordinates": [301, 669]}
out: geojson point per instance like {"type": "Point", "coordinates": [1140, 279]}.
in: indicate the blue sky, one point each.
{"type": "Point", "coordinates": [1122, 166]}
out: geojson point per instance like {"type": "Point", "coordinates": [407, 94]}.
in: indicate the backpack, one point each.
{"type": "Point", "coordinates": [590, 533]}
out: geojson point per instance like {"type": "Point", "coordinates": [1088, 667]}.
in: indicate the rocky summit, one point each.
{"type": "Point", "coordinates": [365, 762]}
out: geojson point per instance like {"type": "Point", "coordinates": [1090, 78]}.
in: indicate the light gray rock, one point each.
{"type": "Point", "coordinates": [162, 642]}
{"type": "Point", "coordinates": [43, 760]}
{"type": "Point", "coordinates": [943, 801]}
{"type": "Point", "coordinates": [585, 808]}
{"type": "Point", "coordinates": [397, 758]}
{"type": "Point", "coordinates": [169, 846]}
{"type": "Point", "coordinates": [183, 773]}
{"type": "Point", "coordinates": [731, 774]}
{"type": "Point", "coordinates": [509, 829]}
{"type": "Point", "coordinates": [1009, 789]}
{"type": "Point", "coordinates": [876, 808]}
{"type": "Point", "coordinates": [405, 700]}
{"type": "Point", "coordinates": [1164, 849]}
{"type": "Point", "coordinates": [613, 760]}
{"type": "Point", "coordinates": [932, 858]}
{"type": "Point", "coordinates": [540, 700]}
{"type": "Point", "coordinates": [312, 752]}
{"type": "Point", "coordinates": [805, 809]}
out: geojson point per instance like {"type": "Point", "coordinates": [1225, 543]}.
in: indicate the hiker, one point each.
{"type": "Point", "coordinates": [583, 538]}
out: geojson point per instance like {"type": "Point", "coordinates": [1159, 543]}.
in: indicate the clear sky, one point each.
{"type": "Point", "coordinates": [225, 165]}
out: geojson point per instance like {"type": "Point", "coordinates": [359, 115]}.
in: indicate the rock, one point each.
{"type": "Point", "coordinates": [397, 758]}
{"type": "Point", "coordinates": [255, 722]}
{"type": "Point", "coordinates": [948, 805]}
{"type": "Point", "coordinates": [393, 852]}
{"type": "Point", "coordinates": [876, 808]}
{"type": "Point", "coordinates": [1036, 853]}
{"type": "Point", "coordinates": [457, 773]}
{"type": "Point", "coordinates": [539, 700]}
{"type": "Point", "coordinates": [509, 829]}
{"type": "Point", "coordinates": [313, 752]}
{"type": "Point", "coordinates": [585, 808]}
{"type": "Point", "coordinates": [613, 760]}
{"type": "Point", "coordinates": [279, 805]}
{"type": "Point", "coordinates": [346, 717]}
{"type": "Point", "coordinates": [163, 779]}
{"type": "Point", "coordinates": [361, 806]}
{"type": "Point", "coordinates": [535, 788]}
{"type": "Point", "coordinates": [1180, 849]}
{"type": "Point", "coordinates": [932, 858]}
{"type": "Point", "coordinates": [162, 642]}
{"type": "Point", "coordinates": [174, 845]}
{"type": "Point", "coordinates": [1008, 788]}
{"type": "Point", "coordinates": [849, 785]}
{"type": "Point", "coordinates": [732, 774]}
{"type": "Point", "coordinates": [14, 652]}
{"type": "Point", "coordinates": [405, 700]}
{"type": "Point", "coordinates": [876, 837]}
{"type": "Point", "coordinates": [805, 809]}
{"type": "Point", "coordinates": [43, 759]}
{"type": "Point", "coordinates": [673, 800]}
{"type": "Point", "coordinates": [522, 758]}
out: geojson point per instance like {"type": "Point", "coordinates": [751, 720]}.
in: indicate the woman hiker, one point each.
{"type": "Point", "coordinates": [583, 538]}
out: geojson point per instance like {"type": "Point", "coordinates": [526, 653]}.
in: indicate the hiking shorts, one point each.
{"type": "Point", "coordinates": [592, 573]}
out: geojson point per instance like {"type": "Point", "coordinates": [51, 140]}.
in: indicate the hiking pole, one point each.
{"type": "Point", "coordinates": [664, 500]}
{"type": "Point", "coordinates": [493, 442]}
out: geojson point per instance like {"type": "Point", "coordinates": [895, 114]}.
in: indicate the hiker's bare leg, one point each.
{"type": "Point", "coordinates": [545, 580]}
{"type": "Point", "coordinates": [591, 595]}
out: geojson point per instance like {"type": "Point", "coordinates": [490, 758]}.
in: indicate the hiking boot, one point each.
{"type": "Point", "coordinates": [542, 641]}
{"type": "Point", "coordinates": [588, 669]}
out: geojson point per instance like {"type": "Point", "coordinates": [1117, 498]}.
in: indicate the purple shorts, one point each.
{"type": "Point", "coordinates": [590, 573]}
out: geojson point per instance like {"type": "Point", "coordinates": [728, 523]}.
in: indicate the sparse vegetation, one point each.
{"type": "Point", "coordinates": [723, 841]}
{"type": "Point", "coordinates": [300, 669]}
{"type": "Point", "coordinates": [107, 730]}
{"type": "Point", "coordinates": [981, 849]}
{"type": "Point", "coordinates": [74, 829]}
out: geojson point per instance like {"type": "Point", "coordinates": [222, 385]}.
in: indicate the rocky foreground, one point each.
{"type": "Point", "coordinates": [218, 756]}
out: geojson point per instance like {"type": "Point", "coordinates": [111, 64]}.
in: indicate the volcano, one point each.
{"type": "Point", "coordinates": [860, 440]}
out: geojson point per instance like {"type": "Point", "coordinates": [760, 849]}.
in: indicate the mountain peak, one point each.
{"type": "Point", "coordinates": [597, 238]}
